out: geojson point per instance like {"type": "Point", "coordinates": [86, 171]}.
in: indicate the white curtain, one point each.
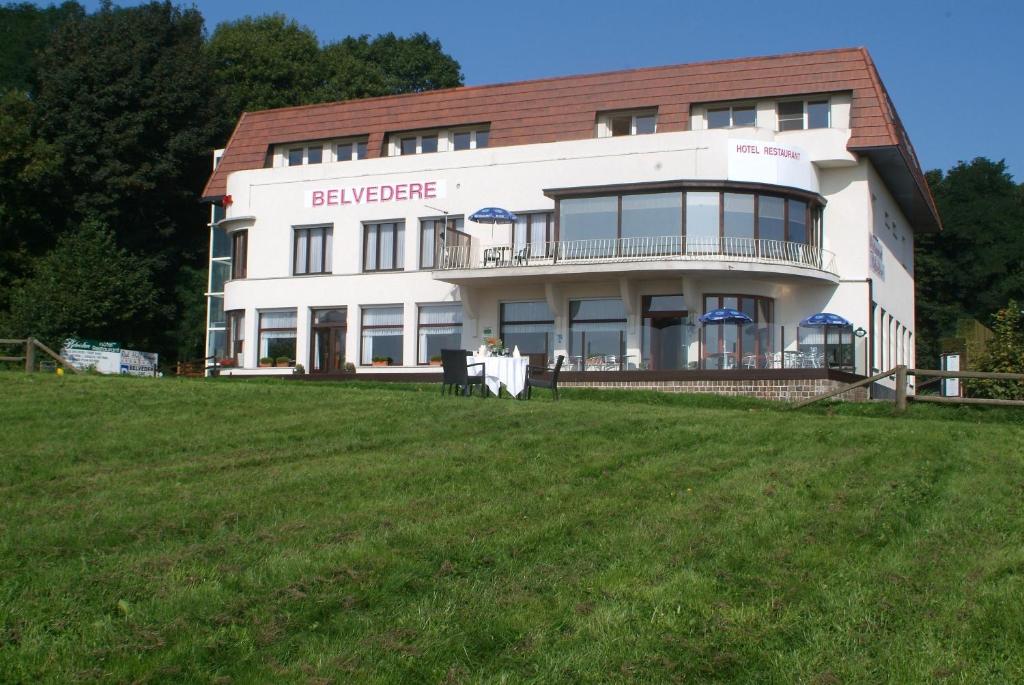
{"type": "Point", "coordinates": [441, 314]}
{"type": "Point", "coordinates": [520, 238]}
{"type": "Point", "coordinates": [316, 249]}
{"type": "Point", "coordinates": [382, 316]}
{"type": "Point", "coordinates": [301, 245]}
{"type": "Point", "coordinates": [328, 261]}
{"type": "Point", "coordinates": [387, 246]}
{"type": "Point", "coordinates": [285, 319]}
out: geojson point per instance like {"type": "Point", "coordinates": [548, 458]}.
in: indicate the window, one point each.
{"type": "Point", "coordinates": [382, 335]}
{"type": "Point", "coordinates": [235, 343]}
{"type": "Point", "coordinates": [350, 150]}
{"type": "Point", "coordinates": [277, 335]}
{"type": "Point", "coordinates": [533, 232]}
{"type": "Point", "coordinates": [732, 346]}
{"type": "Point", "coordinates": [239, 253]}
{"type": "Point", "coordinates": [470, 139]}
{"type": "Point", "coordinates": [651, 223]}
{"type": "Point", "coordinates": [428, 144]}
{"type": "Point", "coordinates": [440, 328]}
{"type": "Point", "coordinates": [591, 219]}
{"type": "Point", "coordinates": [384, 246]}
{"type": "Point", "coordinates": [795, 115]}
{"type": "Point", "coordinates": [729, 117]}
{"type": "Point", "coordinates": [312, 154]}
{"type": "Point", "coordinates": [313, 250]}
{"type": "Point", "coordinates": [329, 327]}
{"type": "Point", "coordinates": [702, 222]}
{"type": "Point", "coordinates": [432, 239]}
{"type": "Point", "coordinates": [530, 326]}
{"type": "Point", "coordinates": [636, 123]}
{"type": "Point", "coordinates": [597, 334]}
{"type": "Point", "coordinates": [667, 339]}
{"type": "Point", "coordinates": [417, 144]}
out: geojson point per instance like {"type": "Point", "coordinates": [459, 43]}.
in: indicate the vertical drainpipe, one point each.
{"type": "Point", "coordinates": [871, 330]}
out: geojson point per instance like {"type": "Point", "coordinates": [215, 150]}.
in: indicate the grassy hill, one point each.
{"type": "Point", "coordinates": [218, 531]}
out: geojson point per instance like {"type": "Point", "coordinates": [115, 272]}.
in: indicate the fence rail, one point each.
{"type": "Point", "coordinates": [471, 255]}
{"type": "Point", "coordinates": [31, 346]}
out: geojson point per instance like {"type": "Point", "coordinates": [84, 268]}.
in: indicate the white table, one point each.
{"type": "Point", "coordinates": [499, 371]}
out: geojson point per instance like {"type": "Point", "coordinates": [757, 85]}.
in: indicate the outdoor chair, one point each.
{"type": "Point", "coordinates": [455, 373]}
{"type": "Point", "coordinates": [522, 257]}
{"type": "Point", "coordinates": [543, 377]}
{"type": "Point", "coordinates": [492, 255]}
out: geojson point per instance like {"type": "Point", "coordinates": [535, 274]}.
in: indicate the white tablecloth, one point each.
{"type": "Point", "coordinates": [499, 371]}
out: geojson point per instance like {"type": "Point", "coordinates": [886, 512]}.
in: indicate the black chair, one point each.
{"type": "Point", "coordinates": [455, 373]}
{"type": "Point", "coordinates": [543, 379]}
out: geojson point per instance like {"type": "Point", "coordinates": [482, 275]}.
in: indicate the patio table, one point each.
{"type": "Point", "coordinates": [502, 371]}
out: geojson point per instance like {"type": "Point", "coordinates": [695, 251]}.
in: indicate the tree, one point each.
{"type": "Point", "coordinates": [976, 264]}
{"type": "Point", "coordinates": [28, 172]}
{"type": "Point", "coordinates": [86, 287]}
{"type": "Point", "coordinates": [24, 28]}
{"type": "Point", "coordinates": [386, 65]}
{"type": "Point", "coordinates": [262, 63]}
{"type": "Point", "coordinates": [1004, 354]}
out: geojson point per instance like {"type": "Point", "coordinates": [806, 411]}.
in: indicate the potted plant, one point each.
{"type": "Point", "coordinates": [494, 345]}
{"type": "Point", "coordinates": [382, 361]}
{"type": "Point", "coordinates": [435, 360]}
{"type": "Point", "coordinates": [283, 362]}
{"type": "Point", "coordinates": [229, 362]}
{"type": "Point", "coordinates": [266, 361]}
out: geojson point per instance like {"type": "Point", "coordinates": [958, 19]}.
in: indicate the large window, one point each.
{"type": "Point", "coordinates": [382, 335]}
{"type": "Point", "coordinates": [591, 219]}
{"type": "Point", "coordinates": [795, 115]}
{"type": "Point", "coordinates": [432, 239]}
{"type": "Point", "coordinates": [239, 253]}
{"type": "Point", "coordinates": [530, 326]}
{"type": "Point", "coordinates": [732, 346]}
{"type": "Point", "coordinates": [439, 328]}
{"type": "Point", "coordinates": [312, 250]}
{"type": "Point", "coordinates": [277, 335]}
{"type": "Point", "coordinates": [384, 246]}
{"type": "Point", "coordinates": [651, 224]}
{"type": "Point", "coordinates": [729, 117]}
{"type": "Point", "coordinates": [533, 231]}
{"type": "Point", "coordinates": [328, 340]}
{"type": "Point", "coordinates": [702, 222]}
{"type": "Point", "coordinates": [597, 334]}
{"type": "Point", "coordinates": [235, 344]}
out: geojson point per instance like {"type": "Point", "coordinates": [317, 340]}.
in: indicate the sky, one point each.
{"type": "Point", "coordinates": [945, 63]}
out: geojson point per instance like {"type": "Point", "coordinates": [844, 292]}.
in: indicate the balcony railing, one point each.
{"type": "Point", "coordinates": [473, 255]}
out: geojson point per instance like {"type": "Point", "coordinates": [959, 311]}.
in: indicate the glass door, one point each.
{"type": "Point", "coordinates": [328, 340]}
{"type": "Point", "coordinates": [667, 340]}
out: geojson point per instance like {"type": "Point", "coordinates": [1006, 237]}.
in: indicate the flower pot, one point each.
{"type": "Point", "coordinates": [265, 365]}
{"type": "Point", "coordinates": [381, 364]}
{"type": "Point", "coordinates": [283, 365]}
{"type": "Point", "coordinates": [435, 362]}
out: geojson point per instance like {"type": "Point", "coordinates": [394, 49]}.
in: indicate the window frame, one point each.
{"type": "Point", "coordinates": [239, 267]}
{"type": "Point", "coordinates": [420, 326]}
{"type": "Point", "coordinates": [260, 330]}
{"type": "Point", "coordinates": [363, 327]}
{"type": "Point", "coordinates": [623, 333]}
{"type": "Point", "coordinates": [473, 132]}
{"type": "Point", "coordinates": [396, 253]}
{"type": "Point", "coordinates": [234, 328]}
{"type": "Point", "coordinates": [327, 260]}
{"type": "Point", "coordinates": [604, 121]}
{"type": "Point", "coordinates": [358, 144]}
{"type": "Point", "coordinates": [702, 352]}
{"type": "Point", "coordinates": [732, 115]}
{"type": "Point", "coordinates": [804, 102]}
{"type": "Point", "coordinates": [454, 222]}
{"type": "Point", "coordinates": [548, 337]}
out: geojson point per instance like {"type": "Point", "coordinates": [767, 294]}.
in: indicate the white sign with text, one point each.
{"type": "Point", "coordinates": [758, 161]}
{"type": "Point", "coordinates": [377, 193]}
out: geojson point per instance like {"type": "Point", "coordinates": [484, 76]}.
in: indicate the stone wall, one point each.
{"type": "Point", "coordinates": [775, 389]}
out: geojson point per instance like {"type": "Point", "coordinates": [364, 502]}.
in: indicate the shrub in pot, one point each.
{"type": "Point", "coordinates": [284, 361]}
{"type": "Point", "coordinates": [266, 361]}
{"type": "Point", "coordinates": [435, 360]}
{"type": "Point", "coordinates": [382, 361]}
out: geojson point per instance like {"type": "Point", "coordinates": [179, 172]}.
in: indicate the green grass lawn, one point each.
{"type": "Point", "coordinates": [219, 531]}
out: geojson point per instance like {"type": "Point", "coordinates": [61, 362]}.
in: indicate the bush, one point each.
{"type": "Point", "coordinates": [1004, 354]}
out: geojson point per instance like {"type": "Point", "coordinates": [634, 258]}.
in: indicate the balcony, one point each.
{"type": "Point", "coordinates": [471, 259]}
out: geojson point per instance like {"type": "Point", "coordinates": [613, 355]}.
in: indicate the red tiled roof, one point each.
{"type": "Point", "coordinates": [559, 109]}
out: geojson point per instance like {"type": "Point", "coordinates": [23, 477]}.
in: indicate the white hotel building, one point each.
{"type": "Point", "coordinates": [781, 186]}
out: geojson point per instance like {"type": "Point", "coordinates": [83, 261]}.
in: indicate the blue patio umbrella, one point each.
{"type": "Point", "coordinates": [493, 215]}
{"type": "Point", "coordinates": [724, 316]}
{"type": "Point", "coordinates": [824, 319]}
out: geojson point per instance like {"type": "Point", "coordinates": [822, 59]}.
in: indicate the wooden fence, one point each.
{"type": "Point", "coordinates": [902, 397]}
{"type": "Point", "coordinates": [31, 346]}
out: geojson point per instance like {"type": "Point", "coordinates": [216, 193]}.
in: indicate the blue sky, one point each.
{"type": "Point", "coordinates": [953, 68]}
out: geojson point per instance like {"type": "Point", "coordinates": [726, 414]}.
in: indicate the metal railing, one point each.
{"type": "Point", "coordinates": [648, 248]}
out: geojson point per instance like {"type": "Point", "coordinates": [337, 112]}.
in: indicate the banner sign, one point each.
{"type": "Point", "coordinates": [108, 357]}
{"type": "Point", "coordinates": [757, 161]}
{"type": "Point", "coordinates": [340, 196]}
{"type": "Point", "coordinates": [876, 260]}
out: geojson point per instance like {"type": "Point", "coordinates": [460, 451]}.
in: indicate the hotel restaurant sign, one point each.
{"type": "Point", "coordinates": [109, 357]}
{"type": "Point", "coordinates": [758, 161]}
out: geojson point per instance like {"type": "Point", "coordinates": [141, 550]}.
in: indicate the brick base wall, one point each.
{"type": "Point", "coordinates": [775, 389]}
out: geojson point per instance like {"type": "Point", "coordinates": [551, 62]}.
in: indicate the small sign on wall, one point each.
{"type": "Point", "coordinates": [876, 259]}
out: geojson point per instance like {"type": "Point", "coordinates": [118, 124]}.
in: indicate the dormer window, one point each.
{"type": "Point", "coordinates": [470, 138]}
{"type": "Point", "coordinates": [416, 143]}
{"type": "Point", "coordinates": [732, 116]}
{"type": "Point", "coordinates": [350, 150]}
{"type": "Point", "coordinates": [796, 115]}
{"type": "Point", "coordinates": [306, 154]}
{"type": "Point", "coordinates": [632, 123]}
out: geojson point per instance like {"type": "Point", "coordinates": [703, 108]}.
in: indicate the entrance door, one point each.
{"type": "Point", "coordinates": [666, 337]}
{"type": "Point", "coordinates": [328, 340]}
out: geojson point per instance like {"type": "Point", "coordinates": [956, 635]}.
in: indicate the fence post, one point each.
{"type": "Point", "coordinates": [30, 355]}
{"type": "Point", "coordinates": [901, 388]}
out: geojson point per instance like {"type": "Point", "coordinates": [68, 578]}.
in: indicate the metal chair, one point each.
{"type": "Point", "coordinates": [544, 381]}
{"type": "Point", "coordinates": [455, 373]}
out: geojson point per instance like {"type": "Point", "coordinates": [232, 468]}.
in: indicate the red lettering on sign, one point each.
{"type": "Point", "coordinates": [429, 190]}
{"type": "Point", "coordinates": [332, 196]}
{"type": "Point", "coordinates": [358, 194]}
{"type": "Point", "coordinates": [386, 193]}
{"type": "Point", "coordinates": [415, 191]}
{"type": "Point", "coordinates": [402, 191]}
{"type": "Point", "coordinates": [371, 193]}
{"type": "Point", "coordinates": [318, 198]}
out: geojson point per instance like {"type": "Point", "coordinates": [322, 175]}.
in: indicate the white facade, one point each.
{"type": "Point", "coordinates": [840, 275]}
